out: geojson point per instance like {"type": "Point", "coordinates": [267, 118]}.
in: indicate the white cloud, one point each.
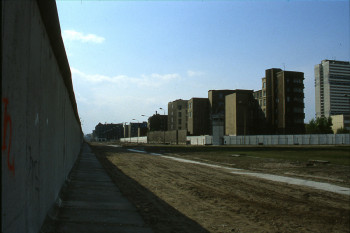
{"type": "Point", "coordinates": [120, 98]}
{"type": "Point", "coordinates": [192, 73]}
{"type": "Point", "coordinates": [153, 80]}
{"type": "Point", "coordinates": [74, 35]}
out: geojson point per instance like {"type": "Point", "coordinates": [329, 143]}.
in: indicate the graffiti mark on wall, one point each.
{"type": "Point", "coordinates": [7, 137]}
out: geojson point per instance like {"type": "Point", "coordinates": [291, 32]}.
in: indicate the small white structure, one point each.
{"type": "Point", "coordinates": [200, 140]}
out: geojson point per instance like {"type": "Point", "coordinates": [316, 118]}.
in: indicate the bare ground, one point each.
{"type": "Point", "coordinates": [178, 197]}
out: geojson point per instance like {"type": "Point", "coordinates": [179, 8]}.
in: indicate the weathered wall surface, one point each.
{"type": "Point", "coordinates": [170, 137]}
{"type": "Point", "coordinates": [41, 132]}
{"type": "Point", "coordinates": [155, 137]}
{"type": "Point", "coordinates": [181, 136]}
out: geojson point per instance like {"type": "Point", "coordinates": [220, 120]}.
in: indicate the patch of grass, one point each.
{"type": "Point", "coordinates": [335, 154]}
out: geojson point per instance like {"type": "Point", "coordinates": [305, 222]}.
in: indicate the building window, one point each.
{"type": "Point", "coordinates": [264, 93]}
{"type": "Point", "coordinates": [179, 114]}
{"type": "Point", "coordinates": [264, 102]}
{"type": "Point", "coordinates": [190, 106]}
{"type": "Point", "coordinates": [288, 99]}
{"type": "Point", "coordinates": [179, 121]}
{"type": "Point", "coordinates": [264, 84]}
{"type": "Point", "coordinates": [179, 127]}
{"type": "Point", "coordinates": [179, 107]}
{"type": "Point", "coordinates": [190, 114]}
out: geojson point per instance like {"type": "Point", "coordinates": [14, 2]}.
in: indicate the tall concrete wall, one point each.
{"type": "Point", "coordinates": [41, 131]}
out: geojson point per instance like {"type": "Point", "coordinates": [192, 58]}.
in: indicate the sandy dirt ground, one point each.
{"type": "Point", "coordinates": [179, 197]}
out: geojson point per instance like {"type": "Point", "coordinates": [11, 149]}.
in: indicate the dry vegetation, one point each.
{"type": "Point", "coordinates": [179, 197]}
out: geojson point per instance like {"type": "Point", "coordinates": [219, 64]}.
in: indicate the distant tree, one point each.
{"type": "Point", "coordinates": [342, 130]}
{"type": "Point", "coordinates": [322, 125]}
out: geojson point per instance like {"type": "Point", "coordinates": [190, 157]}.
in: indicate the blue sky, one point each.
{"type": "Point", "coordinates": [130, 58]}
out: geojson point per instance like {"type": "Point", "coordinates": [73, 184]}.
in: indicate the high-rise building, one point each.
{"type": "Point", "coordinates": [332, 88]}
{"type": "Point", "coordinates": [282, 101]}
{"type": "Point", "coordinates": [177, 115]}
{"type": "Point", "coordinates": [198, 116]}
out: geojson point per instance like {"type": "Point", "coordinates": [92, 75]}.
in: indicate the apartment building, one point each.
{"type": "Point", "coordinates": [158, 122]}
{"type": "Point", "coordinates": [217, 114]}
{"type": "Point", "coordinates": [198, 116]}
{"type": "Point", "coordinates": [243, 116]}
{"type": "Point", "coordinates": [282, 101]}
{"type": "Point", "coordinates": [177, 114]}
{"type": "Point", "coordinates": [341, 121]}
{"type": "Point", "coordinates": [135, 129]}
{"type": "Point", "coordinates": [217, 101]}
{"type": "Point", "coordinates": [108, 131]}
{"type": "Point", "coordinates": [332, 88]}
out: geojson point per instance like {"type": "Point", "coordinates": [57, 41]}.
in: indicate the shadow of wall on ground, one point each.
{"type": "Point", "coordinates": [157, 214]}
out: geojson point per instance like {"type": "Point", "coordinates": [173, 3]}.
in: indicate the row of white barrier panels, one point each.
{"type": "Point", "coordinates": [135, 139]}
{"type": "Point", "coordinates": [306, 139]}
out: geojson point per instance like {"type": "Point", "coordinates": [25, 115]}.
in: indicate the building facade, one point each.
{"type": "Point", "coordinates": [217, 114]}
{"type": "Point", "coordinates": [243, 116]}
{"type": "Point", "coordinates": [108, 131]}
{"type": "Point", "coordinates": [282, 101]}
{"type": "Point", "coordinates": [340, 122]}
{"type": "Point", "coordinates": [158, 122]}
{"type": "Point", "coordinates": [198, 116]}
{"type": "Point", "coordinates": [177, 115]}
{"type": "Point", "coordinates": [135, 129]}
{"type": "Point", "coordinates": [332, 88]}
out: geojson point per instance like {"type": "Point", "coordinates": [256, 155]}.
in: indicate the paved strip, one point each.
{"type": "Point", "coordinates": [92, 203]}
{"type": "Point", "coordinates": [289, 180]}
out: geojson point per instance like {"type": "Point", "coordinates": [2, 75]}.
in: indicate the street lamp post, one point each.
{"type": "Point", "coordinates": [125, 124]}
{"type": "Point", "coordinates": [163, 125]}
{"type": "Point", "coordinates": [147, 119]}
{"type": "Point", "coordinates": [148, 125]}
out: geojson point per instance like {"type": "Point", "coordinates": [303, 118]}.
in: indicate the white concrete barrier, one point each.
{"type": "Point", "coordinates": [307, 139]}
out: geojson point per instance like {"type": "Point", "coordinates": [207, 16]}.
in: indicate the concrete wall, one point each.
{"type": "Point", "coordinates": [171, 137]}
{"type": "Point", "coordinates": [41, 132]}
{"type": "Point", "coordinates": [302, 139]}
{"type": "Point", "coordinates": [156, 137]}
{"type": "Point", "coordinates": [159, 137]}
{"type": "Point", "coordinates": [200, 140]}
{"type": "Point", "coordinates": [134, 139]}
{"type": "Point", "coordinates": [181, 136]}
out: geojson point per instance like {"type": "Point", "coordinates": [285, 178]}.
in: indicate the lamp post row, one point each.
{"type": "Point", "coordinates": [139, 125]}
